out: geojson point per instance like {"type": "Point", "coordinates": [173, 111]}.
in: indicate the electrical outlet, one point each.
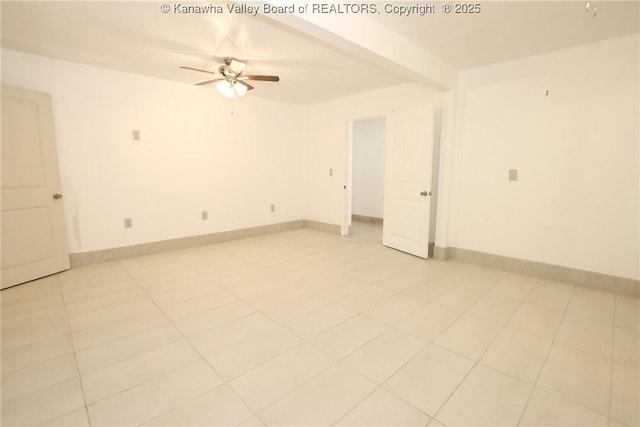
{"type": "Point", "coordinates": [273, 208]}
{"type": "Point", "coordinates": [128, 223]}
{"type": "Point", "coordinates": [513, 174]}
{"type": "Point", "coordinates": [136, 135]}
{"type": "Point", "coordinates": [205, 215]}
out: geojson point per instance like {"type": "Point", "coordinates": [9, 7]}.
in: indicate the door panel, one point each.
{"type": "Point", "coordinates": [34, 242]}
{"type": "Point", "coordinates": [408, 163]}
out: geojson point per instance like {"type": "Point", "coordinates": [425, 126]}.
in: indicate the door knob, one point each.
{"type": "Point", "coordinates": [57, 196]}
{"type": "Point", "coordinates": [425, 193]}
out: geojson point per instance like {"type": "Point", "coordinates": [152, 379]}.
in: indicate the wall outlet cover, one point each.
{"type": "Point", "coordinates": [128, 223]}
{"type": "Point", "coordinates": [513, 174]}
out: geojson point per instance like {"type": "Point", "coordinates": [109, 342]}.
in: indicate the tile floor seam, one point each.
{"type": "Point", "coordinates": [201, 358]}
{"type": "Point", "coordinates": [77, 365]}
{"type": "Point", "coordinates": [477, 361]}
{"type": "Point", "coordinates": [544, 364]}
{"type": "Point", "coordinates": [613, 343]}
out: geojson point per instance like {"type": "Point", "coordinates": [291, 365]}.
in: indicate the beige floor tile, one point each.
{"type": "Point", "coordinates": [627, 316]}
{"type": "Point", "coordinates": [482, 278]}
{"type": "Point", "coordinates": [36, 353]}
{"type": "Point", "coordinates": [591, 303]}
{"type": "Point", "coordinates": [384, 355]}
{"type": "Point", "coordinates": [120, 329]}
{"type": "Point", "coordinates": [99, 356]}
{"type": "Point", "coordinates": [553, 295]}
{"type": "Point", "coordinates": [209, 319]}
{"type": "Point", "coordinates": [269, 382]}
{"type": "Point", "coordinates": [626, 347]}
{"type": "Point", "coordinates": [129, 373]}
{"type": "Point", "coordinates": [494, 308]}
{"type": "Point", "coordinates": [428, 290]}
{"type": "Point", "coordinates": [253, 352]}
{"type": "Point", "coordinates": [366, 298]}
{"type": "Point", "coordinates": [469, 336]}
{"type": "Point", "coordinates": [342, 288]}
{"type": "Point", "coordinates": [232, 333]}
{"type": "Point", "coordinates": [534, 320]}
{"type": "Point", "coordinates": [517, 354]}
{"type": "Point", "coordinates": [514, 286]}
{"type": "Point", "coordinates": [182, 291]}
{"type": "Point", "coordinates": [394, 309]}
{"type": "Point", "coordinates": [318, 321]}
{"type": "Point", "coordinates": [91, 305]}
{"type": "Point", "coordinates": [179, 273]}
{"type": "Point", "coordinates": [295, 307]}
{"type": "Point", "coordinates": [274, 296]}
{"type": "Point", "coordinates": [43, 405]}
{"type": "Point", "coordinates": [255, 285]}
{"type": "Point", "coordinates": [218, 407]}
{"type": "Point", "coordinates": [435, 423]}
{"type": "Point", "coordinates": [252, 421]}
{"type": "Point", "coordinates": [625, 397]}
{"type": "Point", "coordinates": [582, 333]}
{"type": "Point", "coordinates": [581, 378]}
{"type": "Point", "coordinates": [429, 321]}
{"type": "Point", "coordinates": [322, 401]}
{"type": "Point", "coordinates": [349, 336]}
{"type": "Point", "coordinates": [548, 409]}
{"type": "Point", "coordinates": [36, 377]}
{"type": "Point", "coordinates": [77, 418]}
{"type": "Point", "coordinates": [458, 298]}
{"type": "Point", "coordinates": [384, 409]}
{"type": "Point", "coordinates": [150, 399]}
{"type": "Point", "coordinates": [198, 305]}
{"type": "Point", "coordinates": [31, 328]}
{"type": "Point", "coordinates": [78, 291]}
{"type": "Point", "coordinates": [486, 397]}
{"type": "Point", "coordinates": [39, 295]}
{"type": "Point", "coordinates": [429, 378]}
{"type": "Point", "coordinates": [111, 314]}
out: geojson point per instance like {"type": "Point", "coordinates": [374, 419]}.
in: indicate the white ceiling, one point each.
{"type": "Point", "coordinates": [137, 37]}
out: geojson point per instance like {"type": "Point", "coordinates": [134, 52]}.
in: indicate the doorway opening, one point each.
{"type": "Point", "coordinates": [364, 198]}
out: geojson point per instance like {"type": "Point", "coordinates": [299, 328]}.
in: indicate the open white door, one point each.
{"type": "Point", "coordinates": [407, 189]}
{"type": "Point", "coordinates": [34, 240]}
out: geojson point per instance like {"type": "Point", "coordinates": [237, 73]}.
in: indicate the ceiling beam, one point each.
{"type": "Point", "coordinates": [368, 39]}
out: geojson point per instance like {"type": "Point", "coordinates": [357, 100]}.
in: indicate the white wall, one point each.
{"type": "Point", "coordinates": [575, 203]}
{"type": "Point", "coordinates": [368, 167]}
{"type": "Point", "coordinates": [198, 152]}
{"type": "Point", "coordinates": [326, 141]}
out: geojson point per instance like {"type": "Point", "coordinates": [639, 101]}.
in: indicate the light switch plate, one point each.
{"type": "Point", "coordinates": [128, 223]}
{"type": "Point", "coordinates": [205, 215]}
{"type": "Point", "coordinates": [135, 134]}
{"type": "Point", "coordinates": [513, 174]}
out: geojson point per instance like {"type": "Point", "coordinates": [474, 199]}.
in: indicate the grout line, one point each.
{"type": "Point", "coordinates": [477, 361]}
{"type": "Point", "coordinates": [544, 362]}
{"type": "Point", "coordinates": [75, 358]}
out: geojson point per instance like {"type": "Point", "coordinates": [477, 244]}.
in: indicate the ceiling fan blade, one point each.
{"type": "Point", "coordinates": [208, 82]}
{"type": "Point", "coordinates": [263, 78]}
{"type": "Point", "coordinates": [245, 84]}
{"type": "Point", "coordinates": [198, 69]}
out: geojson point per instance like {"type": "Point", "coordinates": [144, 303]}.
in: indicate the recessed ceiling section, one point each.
{"type": "Point", "coordinates": [137, 37]}
{"type": "Point", "coordinates": [507, 30]}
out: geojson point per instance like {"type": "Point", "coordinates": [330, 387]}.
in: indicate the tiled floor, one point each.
{"type": "Point", "coordinates": [309, 328]}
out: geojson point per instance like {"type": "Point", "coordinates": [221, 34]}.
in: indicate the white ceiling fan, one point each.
{"type": "Point", "coordinates": [229, 79]}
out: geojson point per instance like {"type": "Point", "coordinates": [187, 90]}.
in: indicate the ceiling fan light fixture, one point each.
{"type": "Point", "coordinates": [239, 88]}
{"type": "Point", "coordinates": [226, 88]}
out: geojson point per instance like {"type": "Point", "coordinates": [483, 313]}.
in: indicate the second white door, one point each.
{"type": "Point", "coordinates": [408, 169]}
